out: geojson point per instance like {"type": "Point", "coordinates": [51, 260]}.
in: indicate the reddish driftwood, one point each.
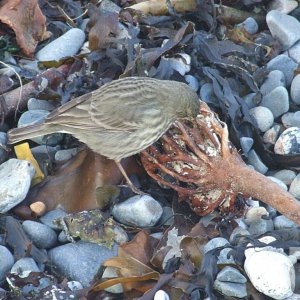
{"type": "Point", "coordinates": [195, 159]}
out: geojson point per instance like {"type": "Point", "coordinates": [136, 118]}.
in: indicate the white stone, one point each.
{"type": "Point", "coordinates": [15, 180]}
{"type": "Point", "coordinates": [283, 27]}
{"type": "Point", "coordinates": [161, 295]}
{"type": "Point", "coordinates": [66, 45]}
{"type": "Point", "coordinates": [254, 214]}
{"type": "Point", "coordinates": [271, 273]}
{"type": "Point", "coordinates": [294, 52]}
{"type": "Point", "coordinates": [284, 6]}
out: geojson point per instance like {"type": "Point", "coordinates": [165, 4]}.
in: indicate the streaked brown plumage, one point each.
{"type": "Point", "coordinates": [120, 118]}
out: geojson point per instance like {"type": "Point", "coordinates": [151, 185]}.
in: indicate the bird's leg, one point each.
{"type": "Point", "coordinates": [129, 182]}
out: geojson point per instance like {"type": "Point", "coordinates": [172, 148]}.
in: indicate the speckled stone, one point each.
{"type": "Point", "coordinates": [288, 142]}
{"type": "Point", "coordinates": [271, 135]}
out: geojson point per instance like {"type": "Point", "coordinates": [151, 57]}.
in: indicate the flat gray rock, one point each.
{"type": "Point", "coordinates": [230, 274]}
{"type": "Point", "coordinates": [231, 289]}
{"type": "Point", "coordinates": [80, 261]}
{"type": "Point", "coordinates": [274, 79]}
{"type": "Point", "coordinates": [6, 262]}
{"type": "Point", "coordinates": [295, 89]}
{"type": "Point", "coordinates": [263, 117]}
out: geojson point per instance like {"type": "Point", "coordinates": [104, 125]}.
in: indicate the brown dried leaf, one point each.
{"type": "Point", "coordinates": [27, 21]}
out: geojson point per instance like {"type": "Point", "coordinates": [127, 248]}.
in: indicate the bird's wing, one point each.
{"type": "Point", "coordinates": [126, 112]}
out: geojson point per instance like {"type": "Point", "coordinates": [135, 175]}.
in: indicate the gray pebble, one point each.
{"type": "Point", "coordinates": [111, 272]}
{"type": "Point", "coordinates": [230, 274]}
{"type": "Point", "coordinates": [271, 135]}
{"type": "Point", "coordinates": [31, 117]}
{"type": "Point", "coordinates": [25, 265]}
{"type": "Point", "coordinates": [80, 261]}
{"type": "Point", "coordinates": [277, 101]}
{"type": "Point", "coordinates": [283, 27]}
{"type": "Point", "coordinates": [42, 235]}
{"type": "Point", "coordinates": [274, 79]}
{"type": "Point", "coordinates": [261, 227]}
{"type": "Point", "coordinates": [66, 45]}
{"type": "Point", "coordinates": [295, 187]}
{"type": "Point", "coordinates": [282, 222]}
{"type": "Point", "coordinates": [256, 162]}
{"type": "Point", "coordinates": [225, 257]}
{"type": "Point", "coordinates": [207, 94]}
{"type": "Point", "coordinates": [215, 243]}
{"type": "Point", "coordinates": [3, 144]}
{"type": "Point", "coordinates": [44, 152]}
{"type": "Point", "coordinates": [291, 119]}
{"type": "Point", "coordinates": [263, 117]}
{"type": "Point", "coordinates": [286, 176]}
{"type": "Point", "coordinates": [15, 180]}
{"type": "Point", "coordinates": [6, 262]}
{"type": "Point", "coordinates": [140, 211]}
{"type": "Point", "coordinates": [295, 89]}
{"type": "Point", "coordinates": [250, 25]}
{"type": "Point", "coordinates": [288, 142]}
{"type": "Point", "coordinates": [294, 52]}
{"type": "Point", "coordinates": [279, 182]}
{"type": "Point", "coordinates": [238, 231]}
{"type": "Point", "coordinates": [63, 238]}
{"type": "Point", "coordinates": [231, 289]}
{"type": "Point", "coordinates": [246, 144]}
{"type": "Point", "coordinates": [36, 104]}
{"type": "Point", "coordinates": [250, 100]}
{"type": "Point", "coordinates": [51, 216]}
{"type": "Point", "coordinates": [285, 64]}
{"type": "Point", "coordinates": [65, 155]}
{"type": "Point", "coordinates": [192, 82]}
{"type": "Point", "coordinates": [284, 6]}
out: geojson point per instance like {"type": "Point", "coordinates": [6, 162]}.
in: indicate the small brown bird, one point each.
{"type": "Point", "coordinates": [120, 118]}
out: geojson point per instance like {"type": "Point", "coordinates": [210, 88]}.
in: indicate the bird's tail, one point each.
{"type": "Point", "coordinates": [19, 134]}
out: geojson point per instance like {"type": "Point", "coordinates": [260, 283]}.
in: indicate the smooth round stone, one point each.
{"type": "Point", "coordinates": [271, 273]}
{"type": "Point", "coordinates": [250, 25]}
{"type": "Point", "coordinates": [140, 211]}
{"type": "Point", "coordinates": [274, 79]}
{"type": "Point", "coordinates": [277, 101]}
{"type": "Point", "coordinates": [295, 89]}
{"type": "Point", "coordinates": [63, 238]}
{"type": "Point", "coordinates": [271, 135]}
{"type": "Point", "coordinates": [192, 81]}
{"type": "Point", "coordinates": [15, 180]}
{"type": "Point", "coordinates": [231, 289]}
{"type": "Point", "coordinates": [279, 182]}
{"type": "Point", "coordinates": [24, 266]}
{"type": "Point", "coordinates": [295, 187]}
{"type": "Point", "coordinates": [284, 6]}
{"type": "Point", "coordinates": [285, 64]}
{"type": "Point", "coordinates": [6, 262]}
{"type": "Point", "coordinates": [215, 243]}
{"type": "Point", "coordinates": [31, 117]}
{"type": "Point", "coordinates": [36, 104]}
{"type": "Point", "coordinates": [80, 261]}
{"type": "Point", "coordinates": [207, 94]}
{"type": "Point", "coordinates": [261, 227]}
{"type": "Point", "coordinates": [291, 119]}
{"type": "Point", "coordinates": [256, 162]}
{"type": "Point", "coordinates": [246, 144]}
{"type": "Point", "coordinates": [250, 100]}
{"type": "Point", "coordinates": [66, 45]}
{"type": "Point", "coordinates": [225, 257]}
{"type": "Point", "coordinates": [263, 117]}
{"type": "Point", "coordinates": [42, 235]}
{"type": "Point", "coordinates": [3, 144]}
{"type": "Point", "coordinates": [254, 214]}
{"type": "Point", "coordinates": [161, 295]}
{"type": "Point", "coordinates": [283, 27]}
{"type": "Point", "coordinates": [232, 275]}
{"type": "Point", "coordinates": [288, 142]}
{"type": "Point", "coordinates": [282, 222]}
{"type": "Point", "coordinates": [65, 155]}
{"type": "Point", "coordinates": [50, 217]}
{"type": "Point", "coordinates": [286, 176]}
{"type": "Point", "coordinates": [44, 152]}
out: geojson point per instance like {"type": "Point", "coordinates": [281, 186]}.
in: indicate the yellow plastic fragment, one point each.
{"type": "Point", "coordinates": [23, 152]}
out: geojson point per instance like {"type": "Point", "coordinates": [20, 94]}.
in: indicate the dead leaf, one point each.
{"type": "Point", "coordinates": [27, 21]}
